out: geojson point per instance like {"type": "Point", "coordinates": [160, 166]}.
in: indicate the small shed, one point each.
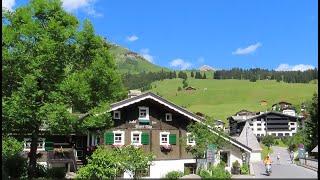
{"type": "Point", "coordinates": [263, 102]}
{"type": "Point", "coordinates": [190, 88]}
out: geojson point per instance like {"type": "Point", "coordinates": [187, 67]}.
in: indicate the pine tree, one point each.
{"type": "Point", "coordinates": [192, 75]}
{"type": "Point", "coordinates": [204, 76]}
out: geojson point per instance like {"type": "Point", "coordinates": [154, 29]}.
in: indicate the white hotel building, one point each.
{"type": "Point", "coordinates": [263, 123]}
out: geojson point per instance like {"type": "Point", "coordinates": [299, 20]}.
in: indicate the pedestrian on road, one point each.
{"type": "Point", "coordinates": [291, 157]}
{"type": "Point", "coordinates": [278, 158]}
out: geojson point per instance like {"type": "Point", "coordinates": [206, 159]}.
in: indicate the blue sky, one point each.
{"type": "Point", "coordinates": [179, 34]}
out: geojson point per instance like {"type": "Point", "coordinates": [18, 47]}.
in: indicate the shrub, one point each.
{"type": "Point", "coordinates": [186, 171]}
{"type": "Point", "coordinates": [11, 147]}
{"type": "Point", "coordinates": [235, 167]}
{"type": "Point", "coordinates": [244, 168]}
{"type": "Point", "coordinates": [179, 88]}
{"type": "Point", "coordinates": [222, 164]}
{"type": "Point", "coordinates": [204, 173]}
{"type": "Point", "coordinates": [15, 166]}
{"type": "Point", "coordinates": [174, 174]}
{"type": "Point", "coordinates": [219, 172]}
{"type": "Point", "coordinates": [236, 164]}
{"type": "Point", "coordinates": [268, 140]}
{"type": "Point", "coordinates": [56, 173]}
{"type": "Point", "coordinates": [41, 171]}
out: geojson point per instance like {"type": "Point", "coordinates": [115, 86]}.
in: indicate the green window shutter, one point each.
{"type": "Point", "coordinates": [48, 146]}
{"type": "Point", "coordinates": [145, 138]}
{"type": "Point", "coordinates": [172, 139]}
{"type": "Point", "coordinates": [108, 138]}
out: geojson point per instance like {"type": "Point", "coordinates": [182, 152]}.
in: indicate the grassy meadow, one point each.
{"type": "Point", "coordinates": [222, 98]}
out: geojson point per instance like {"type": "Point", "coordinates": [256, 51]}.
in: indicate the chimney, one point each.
{"type": "Point", "coordinates": [133, 93]}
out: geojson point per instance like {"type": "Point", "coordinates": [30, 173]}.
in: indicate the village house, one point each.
{"type": "Point", "coordinates": [159, 126]}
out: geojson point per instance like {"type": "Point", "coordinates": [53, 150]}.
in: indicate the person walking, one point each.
{"type": "Point", "coordinates": [278, 158]}
{"type": "Point", "coordinates": [291, 156]}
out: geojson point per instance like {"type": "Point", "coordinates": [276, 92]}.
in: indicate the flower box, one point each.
{"type": "Point", "coordinates": [166, 148]}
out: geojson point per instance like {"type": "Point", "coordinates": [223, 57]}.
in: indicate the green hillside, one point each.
{"type": "Point", "coordinates": [226, 97]}
{"type": "Point", "coordinates": [128, 61]}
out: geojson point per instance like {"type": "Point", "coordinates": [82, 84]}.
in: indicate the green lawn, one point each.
{"type": "Point", "coordinates": [223, 98]}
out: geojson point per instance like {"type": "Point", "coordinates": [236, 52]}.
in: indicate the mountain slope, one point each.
{"type": "Point", "coordinates": [128, 61]}
{"type": "Point", "coordinates": [223, 98]}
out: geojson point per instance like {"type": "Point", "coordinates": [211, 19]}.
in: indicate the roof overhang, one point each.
{"type": "Point", "coordinates": [149, 95]}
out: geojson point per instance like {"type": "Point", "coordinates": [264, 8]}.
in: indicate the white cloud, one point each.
{"type": "Point", "coordinates": [85, 5]}
{"type": "Point", "coordinates": [132, 38]}
{"type": "Point", "coordinates": [180, 63]}
{"type": "Point", "coordinates": [8, 4]}
{"type": "Point", "coordinates": [298, 67]}
{"type": "Point", "coordinates": [145, 54]}
{"type": "Point", "coordinates": [247, 50]}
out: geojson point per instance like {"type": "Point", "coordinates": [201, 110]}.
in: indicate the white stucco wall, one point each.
{"type": "Point", "coordinates": [159, 169]}
{"type": "Point", "coordinates": [255, 156]}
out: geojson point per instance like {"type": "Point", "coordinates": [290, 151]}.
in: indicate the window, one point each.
{"type": "Point", "coordinates": [116, 115]}
{"type": "Point", "coordinates": [258, 135]}
{"type": "Point", "coordinates": [280, 134]}
{"type": "Point", "coordinates": [292, 123]}
{"type": "Point", "coordinates": [293, 129]}
{"type": "Point", "coordinates": [190, 139]}
{"type": "Point", "coordinates": [27, 144]}
{"type": "Point", "coordinates": [286, 134]}
{"type": "Point", "coordinates": [164, 138]}
{"type": "Point", "coordinates": [258, 119]}
{"type": "Point", "coordinates": [250, 124]}
{"type": "Point", "coordinates": [118, 137]}
{"type": "Point", "coordinates": [258, 124]}
{"type": "Point", "coordinates": [136, 138]}
{"type": "Point", "coordinates": [168, 117]}
{"type": "Point", "coordinates": [259, 129]}
{"type": "Point", "coordinates": [144, 112]}
{"type": "Point", "coordinates": [273, 134]}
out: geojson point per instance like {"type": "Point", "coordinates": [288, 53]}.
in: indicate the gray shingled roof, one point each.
{"type": "Point", "coordinates": [248, 138]}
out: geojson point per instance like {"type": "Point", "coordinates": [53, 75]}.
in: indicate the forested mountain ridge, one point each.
{"type": "Point", "coordinates": [132, 62]}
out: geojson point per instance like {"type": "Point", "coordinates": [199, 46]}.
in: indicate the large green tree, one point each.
{"type": "Point", "coordinates": [203, 135]}
{"type": "Point", "coordinates": [312, 125]}
{"type": "Point", "coordinates": [49, 65]}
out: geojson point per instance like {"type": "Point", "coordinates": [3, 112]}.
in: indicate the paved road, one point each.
{"type": "Point", "coordinates": [283, 169]}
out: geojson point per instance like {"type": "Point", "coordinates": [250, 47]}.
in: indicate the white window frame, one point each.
{"type": "Point", "coordinates": [39, 140]}
{"type": "Point", "coordinates": [192, 143]}
{"type": "Point", "coordinates": [168, 135]}
{"type": "Point", "coordinates": [134, 133]}
{"type": "Point", "coordinates": [114, 114]}
{"type": "Point", "coordinates": [170, 117]}
{"type": "Point", "coordinates": [122, 137]}
{"type": "Point", "coordinates": [147, 111]}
